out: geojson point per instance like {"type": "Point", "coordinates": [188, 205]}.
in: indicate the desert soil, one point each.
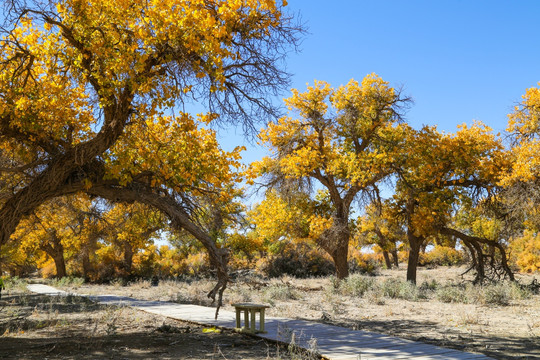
{"type": "Point", "coordinates": [502, 332]}
{"type": "Point", "coordinates": [43, 327]}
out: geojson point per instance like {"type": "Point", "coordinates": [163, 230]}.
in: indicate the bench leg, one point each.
{"type": "Point", "coordinates": [246, 319]}
{"type": "Point", "coordinates": [238, 318]}
{"type": "Point", "coordinates": [253, 320]}
{"type": "Point", "coordinates": [262, 320]}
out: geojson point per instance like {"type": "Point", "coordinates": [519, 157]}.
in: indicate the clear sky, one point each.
{"type": "Point", "coordinates": [460, 60]}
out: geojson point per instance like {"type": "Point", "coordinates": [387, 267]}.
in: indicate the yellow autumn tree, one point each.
{"type": "Point", "coordinates": [130, 229]}
{"type": "Point", "coordinates": [380, 226]}
{"type": "Point", "coordinates": [342, 139]}
{"type": "Point", "coordinates": [81, 81]}
{"type": "Point", "coordinates": [434, 172]}
{"type": "Point", "coordinates": [54, 230]}
{"type": "Point", "coordinates": [520, 197]}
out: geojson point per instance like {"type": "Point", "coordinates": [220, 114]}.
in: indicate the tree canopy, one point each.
{"type": "Point", "coordinates": [87, 89]}
{"type": "Point", "coordinates": [342, 139]}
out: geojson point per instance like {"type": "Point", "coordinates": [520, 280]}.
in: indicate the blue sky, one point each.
{"type": "Point", "coordinates": [458, 60]}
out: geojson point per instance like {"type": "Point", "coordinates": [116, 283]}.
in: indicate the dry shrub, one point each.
{"type": "Point", "coordinates": [355, 285]}
{"type": "Point", "coordinates": [442, 256]}
{"type": "Point", "coordinates": [195, 265]}
{"type": "Point", "coordinates": [497, 294]}
{"type": "Point", "coordinates": [400, 289]}
{"type": "Point", "coordinates": [451, 294]}
{"type": "Point", "coordinates": [280, 292]}
{"type": "Point", "coordinates": [364, 263]}
{"type": "Point", "coordinates": [299, 260]}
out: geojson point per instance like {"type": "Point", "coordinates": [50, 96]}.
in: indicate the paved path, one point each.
{"type": "Point", "coordinates": [332, 342]}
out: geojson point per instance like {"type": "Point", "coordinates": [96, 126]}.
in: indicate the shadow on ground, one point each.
{"type": "Point", "coordinates": [70, 327]}
{"type": "Point", "coordinates": [498, 347]}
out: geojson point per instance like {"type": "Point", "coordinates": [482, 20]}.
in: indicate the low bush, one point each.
{"type": "Point", "coordinates": [279, 292]}
{"type": "Point", "coordinates": [360, 263]}
{"type": "Point", "coordinates": [298, 260]}
{"type": "Point", "coordinates": [442, 256]}
{"type": "Point", "coordinates": [400, 289]}
{"type": "Point", "coordinates": [15, 283]}
{"type": "Point", "coordinates": [355, 285]}
{"type": "Point", "coordinates": [451, 294]}
{"type": "Point", "coordinates": [68, 281]}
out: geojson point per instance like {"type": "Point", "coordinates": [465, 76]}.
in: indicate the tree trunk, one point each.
{"type": "Point", "coordinates": [395, 257]}
{"type": "Point", "coordinates": [87, 267]}
{"type": "Point", "coordinates": [128, 258]}
{"type": "Point", "coordinates": [54, 248]}
{"type": "Point", "coordinates": [60, 265]}
{"type": "Point", "coordinates": [387, 259]}
{"type": "Point", "coordinates": [335, 241]}
{"type": "Point", "coordinates": [415, 244]}
{"type": "Point", "coordinates": [340, 257]}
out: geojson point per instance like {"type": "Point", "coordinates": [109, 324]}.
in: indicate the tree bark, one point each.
{"type": "Point", "coordinates": [340, 257]}
{"type": "Point", "coordinates": [128, 258]}
{"type": "Point", "coordinates": [415, 244]}
{"type": "Point", "coordinates": [387, 259]}
{"type": "Point", "coordinates": [395, 257]}
{"type": "Point", "coordinates": [54, 248]}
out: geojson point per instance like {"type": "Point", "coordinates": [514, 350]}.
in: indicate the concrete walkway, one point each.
{"type": "Point", "coordinates": [332, 342]}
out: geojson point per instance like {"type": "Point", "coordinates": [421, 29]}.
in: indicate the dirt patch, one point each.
{"type": "Point", "coordinates": [43, 327]}
{"type": "Point", "coordinates": [499, 327]}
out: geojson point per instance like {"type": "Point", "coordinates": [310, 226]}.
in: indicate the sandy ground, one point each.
{"type": "Point", "coordinates": [509, 331]}
{"type": "Point", "coordinates": [42, 327]}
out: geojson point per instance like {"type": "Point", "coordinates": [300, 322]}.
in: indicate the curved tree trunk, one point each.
{"type": "Point", "coordinates": [476, 244]}
{"type": "Point", "coordinates": [335, 241]}
{"type": "Point", "coordinates": [167, 204]}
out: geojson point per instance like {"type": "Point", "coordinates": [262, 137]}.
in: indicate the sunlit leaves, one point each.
{"type": "Point", "coordinates": [177, 153]}
{"type": "Point", "coordinates": [337, 134]}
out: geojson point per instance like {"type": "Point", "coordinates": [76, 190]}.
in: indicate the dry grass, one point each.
{"type": "Point", "coordinates": [37, 327]}
{"type": "Point", "coordinates": [499, 320]}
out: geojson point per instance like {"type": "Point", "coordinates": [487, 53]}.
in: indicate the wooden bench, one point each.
{"type": "Point", "coordinates": [250, 310]}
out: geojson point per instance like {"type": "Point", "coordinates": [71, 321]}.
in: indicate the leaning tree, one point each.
{"type": "Point", "coordinates": [87, 89]}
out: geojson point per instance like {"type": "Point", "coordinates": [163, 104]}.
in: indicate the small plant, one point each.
{"type": "Point", "coordinates": [68, 281]}
{"type": "Point", "coordinates": [356, 285]}
{"type": "Point", "coordinates": [399, 289]}
{"type": "Point", "coordinates": [519, 292]}
{"type": "Point", "coordinates": [375, 295]}
{"type": "Point", "coordinates": [469, 319]}
{"type": "Point", "coordinates": [497, 294]}
{"type": "Point", "coordinates": [451, 294]}
{"type": "Point", "coordinates": [279, 292]}
{"type": "Point", "coordinates": [15, 283]}
{"type": "Point", "coordinates": [110, 318]}
{"type": "Point", "coordinates": [429, 285]}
